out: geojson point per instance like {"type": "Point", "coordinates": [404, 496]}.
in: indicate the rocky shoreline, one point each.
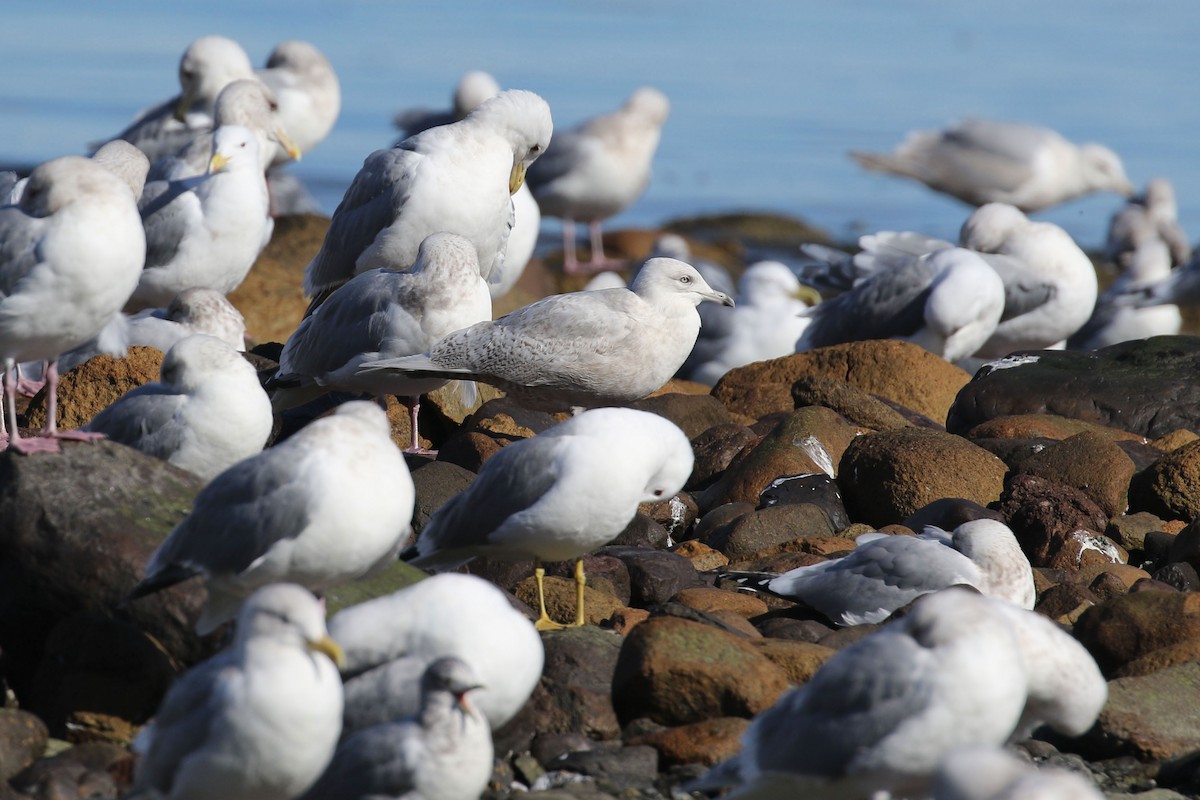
{"type": "Point", "coordinates": [1092, 459]}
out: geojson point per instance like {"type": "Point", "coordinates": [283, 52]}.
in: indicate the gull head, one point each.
{"type": "Point", "coordinates": [1102, 169]}
{"type": "Point", "coordinates": [523, 118]}
{"type": "Point", "coordinates": [287, 614]}
{"type": "Point", "coordinates": [205, 68]}
{"type": "Point", "coordinates": [665, 277]}
{"type": "Point", "coordinates": [234, 147]}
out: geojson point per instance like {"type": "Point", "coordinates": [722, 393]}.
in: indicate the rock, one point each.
{"type": "Point", "coordinates": [401, 424]}
{"type": "Point", "coordinates": [89, 388]}
{"type": "Point", "coordinates": [848, 400]}
{"type": "Point", "coordinates": [899, 371]}
{"type": "Point", "coordinates": [1044, 426]}
{"type": "Point", "coordinates": [1152, 717]}
{"type": "Point", "coordinates": [497, 422]}
{"type": "Point", "coordinates": [705, 598]}
{"type": "Point", "coordinates": [655, 576]}
{"type": "Point", "coordinates": [94, 770]}
{"type": "Point", "coordinates": [715, 450]}
{"type": "Point", "coordinates": [703, 557]}
{"type": "Point", "coordinates": [1125, 628]}
{"type": "Point", "coordinates": [948, 513]}
{"type": "Point", "coordinates": [548, 747]}
{"type": "Point", "coordinates": [1044, 515]}
{"type": "Point", "coordinates": [694, 414]}
{"type": "Point", "coordinates": [1174, 440]}
{"type": "Point", "coordinates": [676, 671]}
{"type": "Point", "coordinates": [606, 573]}
{"type": "Point", "coordinates": [380, 582]}
{"type": "Point", "coordinates": [1130, 530]}
{"type": "Point", "coordinates": [1170, 488]}
{"type": "Point", "coordinates": [643, 533]}
{"type": "Point", "coordinates": [1090, 463]}
{"type": "Point", "coordinates": [436, 482]}
{"type": "Point", "coordinates": [1142, 386]}
{"type": "Point", "coordinates": [22, 739]}
{"type": "Point", "coordinates": [792, 629]}
{"type": "Point", "coordinates": [443, 410]}
{"type": "Point", "coordinates": [819, 490]}
{"type": "Point", "coordinates": [707, 742]}
{"type": "Point", "coordinates": [720, 517]}
{"type": "Point", "coordinates": [889, 475]}
{"type": "Point", "coordinates": [598, 606]}
{"type": "Point", "coordinates": [799, 659]}
{"type": "Point", "coordinates": [1181, 576]}
{"type": "Point", "coordinates": [619, 768]}
{"type": "Point", "coordinates": [268, 298]}
{"type": "Point", "coordinates": [1065, 602]}
{"type": "Point", "coordinates": [759, 530]}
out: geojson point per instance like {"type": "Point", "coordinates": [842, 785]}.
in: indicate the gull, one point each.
{"type": "Point", "coordinates": [258, 720]}
{"type": "Point", "coordinates": [599, 169]}
{"type": "Point", "coordinates": [67, 265]}
{"type": "Point", "coordinates": [1152, 215]}
{"type": "Point", "coordinates": [206, 412]}
{"type": "Point", "coordinates": [208, 230]}
{"type": "Point", "coordinates": [322, 508]}
{"type": "Point", "coordinates": [983, 161]}
{"type": "Point", "coordinates": [309, 95]}
{"type": "Point", "coordinates": [208, 64]}
{"type": "Point", "coordinates": [118, 157]}
{"type": "Point", "coordinates": [473, 89]}
{"type": "Point", "coordinates": [444, 752]}
{"type": "Point", "coordinates": [1117, 319]}
{"type": "Point", "coordinates": [559, 495]}
{"type": "Point", "coordinates": [885, 573]}
{"type": "Point", "coordinates": [457, 178]}
{"type": "Point", "coordinates": [581, 349]}
{"type": "Point", "coordinates": [382, 314]}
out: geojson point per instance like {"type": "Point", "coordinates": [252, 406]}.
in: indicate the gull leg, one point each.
{"type": "Point", "coordinates": [414, 408]}
{"type": "Point", "coordinates": [6, 380]}
{"type": "Point", "coordinates": [544, 623]}
{"type": "Point", "coordinates": [571, 265]}
{"type": "Point", "coordinates": [599, 261]}
{"type": "Point", "coordinates": [51, 431]}
{"type": "Point", "coordinates": [23, 445]}
{"type": "Point", "coordinates": [580, 582]}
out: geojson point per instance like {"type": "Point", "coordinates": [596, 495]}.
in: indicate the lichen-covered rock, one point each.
{"type": "Point", "coordinates": [1152, 717]}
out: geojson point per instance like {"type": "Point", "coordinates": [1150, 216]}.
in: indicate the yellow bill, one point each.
{"type": "Point", "coordinates": [292, 148]}
{"type": "Point", "coordinates": [217, 161]}
{"type": "Point", "coordinates": [516, 177]}
{"type": "Point", "coordinates": [330, 648]}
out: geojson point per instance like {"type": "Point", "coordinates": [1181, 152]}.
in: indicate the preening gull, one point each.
{"type": "Point", "coordinates": [207, 230]}
{"type": "Point", "coordinates": [260, 719]}
{"type": "Point", "coordinates": [208, 64]}
{"type": "Point", "coordinates": [382, 314]}
{"type": "Point", "coordinates": [309, 95]}
{"type": "Point", "coordinates": [473, 88]}
{"type": "Point", "coordinates": [68, 262]}
{"type": "Point", "coordinates": [322, 508]}
{"type": "Point", "coordinates": [598, 169]}
{"type": "Point", "coordinates": [1151, 216]}
{"type": "Point", "coordinates": [206, 412]}
{"type": "Point", "coordinates": [881, 714]}
{"type": "Point", "coordinates": [985, 161]}
{"type": "Point", "coordinates": [583, 349]}
{"type": "Point", "coordinates": [389, 641]}
{"type": "Point", "coordinates": [559, 495]}
{"type": "Point", "coordinates": [885, 573]}
{"type": "Point", "coordinates": [457, 178]}
{"type": "Point", "coordinates": [444, 752]}
{"type": "Point", "coordinates": [990, 773]}
{"type": "Point", "coordinates": [118, 157]}
{"type": "Point", "coordinates": [1118, 316]}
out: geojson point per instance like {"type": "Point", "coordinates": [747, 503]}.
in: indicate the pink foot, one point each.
{"type": "Point", "coordinates": [35, 444]}
{"type": "Point", "coordinates": [79, 436]}
{"type": "Point", "coordinates": [419, 451]}
{"type": "Point", "coordinates": [28, 387]}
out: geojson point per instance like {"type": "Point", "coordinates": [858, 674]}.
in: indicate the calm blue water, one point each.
{"type": "Point", "coordinates": [767, 96]}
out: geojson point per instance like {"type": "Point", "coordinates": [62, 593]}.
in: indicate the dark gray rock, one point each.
{"type": "Point", "coordinates": [819, 490]}
{"type": "Point", "coordinates": [715, 450]}
{"type": "Point", "coordinates": [642, 532]}
{"type": "Point", "coordinates": [655, 576]}
{"type": "Point", "coordinates": [22, 740]}
{"type": "Point", "coordinates": [948, 513]}
{"type": "Point", "coordinates": [693, 413]}
{"type": "Point", "coordinates": [435, 483]}
{"type": "Point", "coordinates": [621, 768]}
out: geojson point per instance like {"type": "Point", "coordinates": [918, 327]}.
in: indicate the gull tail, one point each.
{"type": "Point", "coordinates": [418, 366]}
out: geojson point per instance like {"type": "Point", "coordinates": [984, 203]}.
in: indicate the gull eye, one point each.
{"type": "Point", "coordinates": [686, 279]}
{"type": "Point", "coordinates": [536, 148]}
{"type": "Point", "coordinates": [658, 492]}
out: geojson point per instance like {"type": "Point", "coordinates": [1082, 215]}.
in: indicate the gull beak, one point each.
{"type": "Point", "coordinates": [808, 294]}
{"type": "Point", "coordinates": [217, 161]}
{"type": "Point", "coordinates": [286, 141]}
{"type": "Point", "coordinates": [516, 177]}
{"type": "Point", "coordinates": [718, 297]}
{"type": "Point", "coordinates": [461, 697]}
{"type": "Point", "coordinates": [330, 648]}
{"type": "Point", "coordinates": [181, 108]}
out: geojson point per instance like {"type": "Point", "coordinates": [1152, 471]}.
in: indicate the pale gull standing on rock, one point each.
{"type": "Point", "coordinates": [599, 169]}
{"type": "Point", "coordinates": [382, 314]}
{"type": "Point", "coordinates": [457, 178]}
{"type": "Point", "coordinates": [68, 256]}
{"type": "Point", "coordinates": [984, 161]}
{"type": "Point", "coordinates": [389, 641]}
{"type": "Point", "coordinates": [443, 752]}
{"type": "Point", "coordinates": [322, 508]}
{"type": "Point", "coordinates": [885, 573]}
{"type": "Point", "coordinates": [259, 720]}
{"type": "Point", "coordinates": [1151, 216]}
{"type": "Point", "coordinates": [880, 715]}
{"type": "Point", "coordinates": [581, 349]}
{"type": "Point", "coordinates": [208, 64]}
{"type": "Point", "coordinates": [559, 495]}
{"type": "Point", "coordinates": [990, 773]}
{"type": "Point", "coordinates": [207, 230]}
{"type": "Point", "coordinates": [309, 95]}
{"type": "Point", "coordinates": [206, 412]}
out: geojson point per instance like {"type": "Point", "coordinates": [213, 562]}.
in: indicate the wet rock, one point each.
{"type": "Point", "coordinates": [766, 527]}
{"type": "Point", "coordinates": [1126, 628]}
{"type": "Point", "coordinates": [89, 388]}
{"type": "Point", "coordinates": [655, 576]}
{"type": "Point", "coordinates": [715, 450]}
{"type": "Point", "coordinates": [707, 742]}
{"type": "Point", "coordinates": [1170, 488]}
{"type": "Point", "coordinates": [694, 414]}
{"type": "Point", "coordinates": [1044, 515]}
{"type": "Point", "coordinates": [819, 490]}
{"type": "Point", "coordinates": [22, 739]}
{"type": "Point", "coordinates": [676, 671]}
{"type": "Point", "coordinates": [856, 405]}
{"type": "Point", "coordinates": [1152, 716]}
{"type": "Point", "coordinates": [435, 483]}
{"type": "Point", "coordinates": [887, 476]}
{"type": "Point", "coordinates": [1090, 463]}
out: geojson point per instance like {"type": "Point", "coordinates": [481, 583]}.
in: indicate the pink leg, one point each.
{"type": "Point", "coordinates": [414, 408]}
{"type": "Point", "coordinates": [26, 386]}
{"type": "Point", "coordinates": [599, 262]}
{"type": "Point", "coordinates": [11, 406]}
{"type": "Point", "coordinates": [47, 440]}
{"type": "Point", "coordinates": [570, 262]}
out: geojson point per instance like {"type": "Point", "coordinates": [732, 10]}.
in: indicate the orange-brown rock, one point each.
{"type": "Point", "coordinates": [89, 388]}
{"type": "Point", "coordinates": [1089, 462]}
{"type": "Point", "coordinates": [1045, 426]}
{"type": "Point", "coordinates": [800, 660]}
{"type": "Point", "coordinates": [598, 606]}
{"type": "Point", "coordinates": [271, 298]}
{"type": "Point", "coordinates": [703, 557]}
{"type": "Point", "coordinates": [1126, 628]}
{"type": "Point", "coordinates": [707, 742]}
{"type": "Point", "coordinates": [706, 598]}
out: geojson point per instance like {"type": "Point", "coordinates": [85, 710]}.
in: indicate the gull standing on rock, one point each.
{"type": "Point", "coordinates": [457, 178]}
{"type": "Point", "coordinates": [321, 509]}
{"type": "Point", "coordinates": [67, 255]}
{"type": "Point", "coordinates": [984, 161]}
{"type": "Point", "coordinates": [382, 314]}
{"type": "Point", "coordinates": [205, 231]}
{"type": "Point", "coordinates": [258, 721]}
{"type": "Point", "coordinates": [598, 169]}
{"type": "Point", "coordinates": [582, 349]}
{"type": "Point", "coordinates": [206, 412]}
{"type": "Point", "coordinates": [559, 495]}
{"type": "Point", "coordinates": [308, 93]}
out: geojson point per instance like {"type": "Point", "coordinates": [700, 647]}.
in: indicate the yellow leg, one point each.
{"type": "Point", "coordinates": [580, 582]}
{"type": "Point", "coordinates": [544, 623]}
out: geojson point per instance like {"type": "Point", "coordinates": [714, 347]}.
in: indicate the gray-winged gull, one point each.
{"type": "Point", "coordinates": [581, 349]}
{"type": "Point", "coordinates": [984, 161]}
{"type": "Point", "coordinates": [598, 169]}
{"type": "Point", "coordinates": [457, 178]}
{"type": "Point", "coordinates": [472, 89]}
{"type": "Point", "coordinates": [322, 508]}
{"type": "Point", "coordinates": [881, 714]}
{"type": "Point", "coordinates": [205, 230]}
{"type": "Point", "coordinates": [390, 640]}
{"type": "Point", "coordinates": [67, 265]}
{"type": "Point", "coordinates": [118, 157]}
{"type": "Point", "coordinates": [258, 720]}
{"type": "Point", "coordinates": [990, 773]}
{"type": "Point", "coordinates": [309, 95]}
{"type": "Point", "coordinates": [885, 573]}
{"type": "Point", "coordinates": [206, 412]}
{"type": "Point", "coordinates": [1150, 216]}
{"type": "Point", "coordinates": [207, 65]}
{"type": "Point", "coordinates": [559, 495]}
{"type": "Point", "coordinates": [444, 752]}
{"type": "Point", "coordinates": [381, 314]}
{"type": "Point", "coordinates": [1118, 317]}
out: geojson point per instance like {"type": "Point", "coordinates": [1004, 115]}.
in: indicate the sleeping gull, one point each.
{"type": "Point", "coordinates": [382, 314]}
{"type": "Point", "coordinates": [581, 349]}
{"type": "Point", "coordinates": [423, 185]}
{"type": "Point", "coordinates": [68, 256]}
{"type": "Point", "coordinates": [880, 715]}
{"type": "Point", "coordinates": [258, 720]}
{"type": "Point", "coordinates": [320, 509]}
{"type": "Point", "coordinates": [1118, 319]}
{"type": "Point", "coordinates": [559, 495]}
{"type": "Point", "coordinates": [983, 161]}
{"type": "Point", "coordinates": [206, 412]}
{"type": "Point", "coordinates": [390, 640]}
{"type": "Point", "coordinates": [207, 230]}
{"type": "Point", "coordinates": [309, 95]}
{"type": "Point", "coordinates": [443, 752]}
{"type": "Point", "coordinates": [599, 169]}
{"type": "Point", "coordinates": [1151, 216]}
{"type": "Point", "coordinates": [118, 157]}
{"type": "Point", "coordinates": [208, 64]}
{"type": "Point", "coordinates": [885, 573]}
